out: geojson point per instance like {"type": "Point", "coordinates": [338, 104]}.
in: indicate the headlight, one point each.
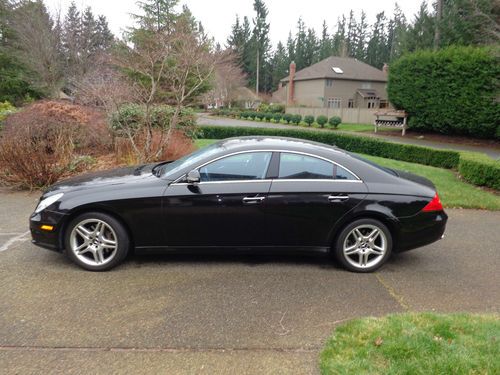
{"type": "Point", "coordinates": [47, 202]}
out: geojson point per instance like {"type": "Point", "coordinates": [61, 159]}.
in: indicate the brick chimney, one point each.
{"type": "Point", "coordinates": [385, 68]}
{"type": "Point", "coordinates": [291, 84]}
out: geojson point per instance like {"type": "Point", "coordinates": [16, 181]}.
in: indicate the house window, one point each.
{"type": "Point", "coordinates": [329, 82]}
{"type": "Point", "coordinates": [334, 102]}
{"type": "Point", "coordinates": [366, 85]}
{"type": "Point", "coordinates": [350, 103]}
{"type": "Point", "coordinates": [372, 104]}
{"type": "Point", "coordinates": [384, 104]}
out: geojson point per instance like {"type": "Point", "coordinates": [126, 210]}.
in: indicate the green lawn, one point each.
{"type": "Point", "coordinates": [415, 344]}
{"type": "Point", "coordinates": [453, 192]}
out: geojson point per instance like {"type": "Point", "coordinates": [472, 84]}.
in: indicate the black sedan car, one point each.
{"type": "Point", "coordinates": [255, 193]}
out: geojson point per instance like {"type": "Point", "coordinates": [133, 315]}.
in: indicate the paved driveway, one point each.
{"type": "Point", "coordinates": [224, 314]}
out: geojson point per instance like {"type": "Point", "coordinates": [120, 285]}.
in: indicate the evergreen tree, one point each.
{"type": "Point", "coordinates": [280, 64]}
{"type": "Point", "coordinates": [260, 44]}
{"type": "Point", "coordinates": [71, 39]}
{"type": "Point", "coordinates": [351, 40]}
{"type": "Point", "coordinates": [420, 34]}
{"type": "Point", "coordinates": [377, 52]}
{"type": "Point", "coordinates": [104, 35]}
{"type": "Point", "coordinates": [311, 48]}
{"type": "Point", "coordinates": [290, 47]}
{"type": "Point", "coordinates": [396, 30]}
{"type": "Point", "coordinates": [339, 38]}
{"type": "Point", "coordinates": [359, 51]}
{"type": "Point", "coordinates": [325, 43]}
{"type": "Point", "coordinates": [157, 15]}
{"type": "Point", "coordinates": [300, 45]}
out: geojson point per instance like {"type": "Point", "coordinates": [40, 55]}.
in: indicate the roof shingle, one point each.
{"type": "Point", "coordinates": [353, 69]}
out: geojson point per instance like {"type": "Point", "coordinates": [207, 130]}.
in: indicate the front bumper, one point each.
{"type": "Point", "coordinates": [52, 239]}
{"type": "Point", "coordinates": [421, 229]}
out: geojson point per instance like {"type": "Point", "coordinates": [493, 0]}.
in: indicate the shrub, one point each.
{"type": "Point", "coordinates": [479, 169]}
{"type": "Point", "coordinates": [288, 117]}
{"type": "Point", "coordinates": [5, 109]}
{"type": "Point", "coordinates": [296, 119]}
{"type": "Point", "coordinates": [277, 117]}
{"type": "Point", "coordinates": [335, 121]}
{"type": "Point", "coordinates": [309, 120]}
{"type": "Point", "coordinates": [268, 116]}
{"type": "Point", "coordinates": [322, 120]}
{"type": "Point", "coordinates": [450, 91]}
{"type": "Point", "coordinates": [46, 140]}
{"type": "Point", "coordinates": [259, 115]}
{"type": "Point", "coordinates": [366, 145]}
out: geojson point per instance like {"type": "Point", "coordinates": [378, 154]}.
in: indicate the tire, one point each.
{"type": "Point", "coordinates": [96, 241]}
{"type": "Point", "coordinates": [356, 251]}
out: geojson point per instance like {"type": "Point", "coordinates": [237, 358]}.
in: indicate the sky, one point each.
{"type": "Point", "coordinates": [217, 16]}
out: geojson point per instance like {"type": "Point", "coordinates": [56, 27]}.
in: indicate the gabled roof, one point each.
{"type": "Point", "coordinates": [352, 69]}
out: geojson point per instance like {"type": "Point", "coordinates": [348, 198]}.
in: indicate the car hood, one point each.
{"type": "Point", "coordinates": [117, 176]}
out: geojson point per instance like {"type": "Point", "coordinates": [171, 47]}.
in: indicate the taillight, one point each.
{"type": "Point", "coordinates": [433, 205]}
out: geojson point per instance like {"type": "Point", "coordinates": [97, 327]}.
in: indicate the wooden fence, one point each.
{"type": "Point", "coordinates": [348, 115]}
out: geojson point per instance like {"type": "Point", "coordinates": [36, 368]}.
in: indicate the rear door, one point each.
{"type": "Point", "coordinates": [309, 195]}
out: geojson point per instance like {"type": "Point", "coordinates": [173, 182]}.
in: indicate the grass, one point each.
{"type": "Point", "coordinates": [453, 192]}
{"type": "Point", "coordinates": [413, 343]}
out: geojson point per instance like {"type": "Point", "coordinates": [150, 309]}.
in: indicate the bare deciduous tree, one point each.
{"type": "Point", "coordinates": [228, 78]}
{"type": "Point", "coordinates": [173, 68]}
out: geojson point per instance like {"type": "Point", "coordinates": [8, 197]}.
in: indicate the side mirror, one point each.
{"type": "Point", "coordinates": [193, 177]}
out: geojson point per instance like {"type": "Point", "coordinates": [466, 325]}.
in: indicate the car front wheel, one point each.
{"type": "Point", "coordinates": [363, 246]}
{"type": "Point", "coordinates": [96, 241]}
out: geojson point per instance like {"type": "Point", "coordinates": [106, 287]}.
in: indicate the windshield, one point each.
{"type": "Point", "coordinates": [179, 164]}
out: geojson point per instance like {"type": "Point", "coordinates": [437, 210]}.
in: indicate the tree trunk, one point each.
{"type": "Point", "coordinates": [437, 30]}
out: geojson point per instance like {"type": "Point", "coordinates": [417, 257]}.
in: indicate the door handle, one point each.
{"type": "Point", "coordinates": [336, 198]}
{"type": "Point", "coordinates": [251, 200]}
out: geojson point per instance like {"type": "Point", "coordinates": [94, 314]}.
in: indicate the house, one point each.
{"type": "Point", "coordinates": [336, 82]}
{"type": "Point", "coordinates": [239, 96]}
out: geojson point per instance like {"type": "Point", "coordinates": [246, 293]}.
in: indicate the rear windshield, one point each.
{"type": "Point", "coordinates": [388, 170]}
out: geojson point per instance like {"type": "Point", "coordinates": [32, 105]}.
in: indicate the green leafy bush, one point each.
{"type": "Point", "coordinates": [277, 117]}
{"type": "Point", "coordinates": [479, 169]}
{"type": "Point", "coordinates": [335, 121]}
{"type": "Point", "coordinates": [288, 117]}
{"type": "Point", "coordinates": [268, 116]}
{"type": "Point", "coordinates": [450, 91]}
{"type": "Point", "coordinates": [309, 120]}
{"type": "Point", "coordinates": [296, 119]}
{"type": "Point", "coordinates": [131, 117]}
{"type": "Point", "coordinates": [5, 109]}
{"type": "Point", "coordinates": [271, 108]}
{"type": "Point", "coordinates": [322, 120]}
{"type": "Point", "coordinates": [361, 144]}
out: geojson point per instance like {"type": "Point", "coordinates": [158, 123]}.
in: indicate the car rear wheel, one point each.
{"type": "Point", "coordinates": [363, 246]}
{"type": "Point", "coordinates": [96, 241]}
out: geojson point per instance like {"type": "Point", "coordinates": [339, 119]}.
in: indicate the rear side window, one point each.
{"type": "Point", "coordinates": [296, 166]}
{"type": "Point", "coordinates": [241, 167]}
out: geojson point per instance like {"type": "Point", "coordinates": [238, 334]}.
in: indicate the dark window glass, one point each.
{"type": "Point", "coordinates": [248, 166]}
{"type": "Point", "coordinates": [295, 166]}
{"type": "Point", "coordinates": [343, 174]}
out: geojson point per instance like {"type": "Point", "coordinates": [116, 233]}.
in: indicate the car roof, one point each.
{"type": "Point", "coordinates": [276, 143]}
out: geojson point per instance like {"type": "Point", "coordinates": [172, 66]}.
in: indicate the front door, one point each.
{"type": "Point", "coordinates": [225, 209]}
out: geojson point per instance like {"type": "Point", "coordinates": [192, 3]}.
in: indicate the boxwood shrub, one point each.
{"type": "Point", "coordinates": [309, 120]}
{"type": "Point", "coordinates": [354, 143]}
{"type": "Point", "coordinates": [479, 169]}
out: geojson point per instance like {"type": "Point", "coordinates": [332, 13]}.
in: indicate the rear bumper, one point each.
{"type": "Point", "coordinates": [50, 240]}
{"type": "Point", "coordinates": [420, 230]}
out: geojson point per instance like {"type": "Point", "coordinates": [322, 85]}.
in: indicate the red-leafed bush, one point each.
{"type": "Point", "coordinates": [46, 140]}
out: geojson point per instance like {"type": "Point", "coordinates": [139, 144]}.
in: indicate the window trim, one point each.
{"type": "Point", "coordinates": [358, 179]}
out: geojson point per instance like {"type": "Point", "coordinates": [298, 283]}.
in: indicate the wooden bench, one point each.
{"type": "Point", "coordinates": [391, 118]}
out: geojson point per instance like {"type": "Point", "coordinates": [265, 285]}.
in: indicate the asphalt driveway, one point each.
{"type": "Point", "coordinates": [226, 313]}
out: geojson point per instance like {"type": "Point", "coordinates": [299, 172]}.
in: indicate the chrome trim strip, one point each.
{"type": "Point", "coordinates": [274, 180]}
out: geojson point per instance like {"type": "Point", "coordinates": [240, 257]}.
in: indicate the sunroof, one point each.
{"type": "Point", "coordinates": [337, 70]}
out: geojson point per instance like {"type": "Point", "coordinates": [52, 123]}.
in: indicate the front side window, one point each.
{"type": "Point", "coordinates": [334, 102]}
{"type": "Point", "coordinates": [296, 166]}
{"type": "Point", "coordinates": [240, 167]}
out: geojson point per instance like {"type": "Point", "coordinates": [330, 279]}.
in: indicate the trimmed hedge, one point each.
{"type": "Point", "coordinates": [479, 170]}
{"type": "Point", "coordinates": [361, 144]}
{"type": "Point", "coordinates": [450, 91]}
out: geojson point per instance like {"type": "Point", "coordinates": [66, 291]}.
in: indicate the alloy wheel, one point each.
{"type": "Point", "coordinates": [365, 246]}
{"type": "Point", "coordinates": [93, 242]}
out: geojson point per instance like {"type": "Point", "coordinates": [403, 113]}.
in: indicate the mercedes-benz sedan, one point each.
{"type": "Point", "coordinates": [256, 193]}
